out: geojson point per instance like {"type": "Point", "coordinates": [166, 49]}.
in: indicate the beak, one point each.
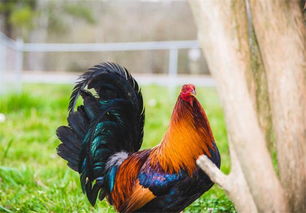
{"type": "Point", "coordinates": [193, 93]}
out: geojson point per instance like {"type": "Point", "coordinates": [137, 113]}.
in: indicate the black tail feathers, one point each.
{"type": "Point", "coordinates": [109, 121]}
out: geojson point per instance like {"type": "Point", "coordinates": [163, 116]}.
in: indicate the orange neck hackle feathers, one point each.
{"type": "Point", "coordinates": [188, 136]}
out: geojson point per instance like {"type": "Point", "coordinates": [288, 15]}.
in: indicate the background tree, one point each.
{"type": "Point", "coordinates": [54, 16]}
{"type": "Point", "coordinates": [32, 20]}
{"type": "Point", "coordinates": [17, 16]}
{"type": "Point", "coordinates": [259, 64]}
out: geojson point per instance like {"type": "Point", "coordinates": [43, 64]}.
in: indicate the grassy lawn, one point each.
{"type": "Point", "coordinates": [34, 179]}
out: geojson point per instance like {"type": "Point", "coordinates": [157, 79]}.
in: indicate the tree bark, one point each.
{"type": "Point", "coordinates": [7, 26]}
{"type": "Point", "coordinates": [281, 35]}
{"type": "Point", "coordinates": [225, 45]}
{"type": "Point", "coordinates": [257, 80]}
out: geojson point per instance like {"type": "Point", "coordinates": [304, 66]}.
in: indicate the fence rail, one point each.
{"type": "Point", "coordinates": [20, 48]}
{"type": "Point", "coordinates": [101, 47]}
{"type": "Point", "coordinates": [7, 42]}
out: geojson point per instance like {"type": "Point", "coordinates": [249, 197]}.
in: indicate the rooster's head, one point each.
{"type": "Point", "coordinates": [188, 93]}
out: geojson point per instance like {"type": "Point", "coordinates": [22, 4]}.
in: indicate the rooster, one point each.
{"type": "Point", "coordinates": [104, 135]}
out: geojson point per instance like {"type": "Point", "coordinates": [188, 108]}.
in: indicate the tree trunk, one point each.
{"type": "Point", "coordinates": [7, 26]}
{"type": "Point", "coordinates": [222, 27]}
{"type": "Point", "coordinates": [281, 35]}
{"type": "Point", "coordinates": [257, 81]}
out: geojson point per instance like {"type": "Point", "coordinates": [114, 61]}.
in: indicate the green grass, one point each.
{"type": "Point", "coordinates": [34, 179]}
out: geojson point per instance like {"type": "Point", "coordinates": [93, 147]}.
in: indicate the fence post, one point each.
{"type": "Point", "coordinates": [172, 71]}
{"type": "Point", "coordinates": [173, 59]}
{"type": "Point", "coordinates": [2, 66]}
{"type": "Point", "coordinates": [19, 63]}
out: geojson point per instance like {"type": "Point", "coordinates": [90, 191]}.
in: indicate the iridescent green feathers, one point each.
{"type": "Point", "coordinates": [111, 81]}
{"type": "Point", "coordinates": [110, 120]}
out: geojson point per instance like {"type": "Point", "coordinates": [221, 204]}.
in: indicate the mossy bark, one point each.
{"type": "Point", "coordinates": [281, 37]}
{"type": "Point", "coordinates": [259, 84]}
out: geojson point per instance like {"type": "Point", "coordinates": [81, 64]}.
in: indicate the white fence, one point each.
{"type": "Point", "coordinates": [19, 48]}
{"type": "Point", "coordinates": [11, 61]}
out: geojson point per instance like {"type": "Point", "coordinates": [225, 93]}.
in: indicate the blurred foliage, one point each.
{"type": "Point", "coordinates": [34, 179]}
{"type": "Point", "coordinates": [78, 11]}
{"type": "Point", "coordinates": [66, 9]}
{"type": "Point", "coordinates": [20, 17]}
{"type": "Point", "coordinates": [17, 14]}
